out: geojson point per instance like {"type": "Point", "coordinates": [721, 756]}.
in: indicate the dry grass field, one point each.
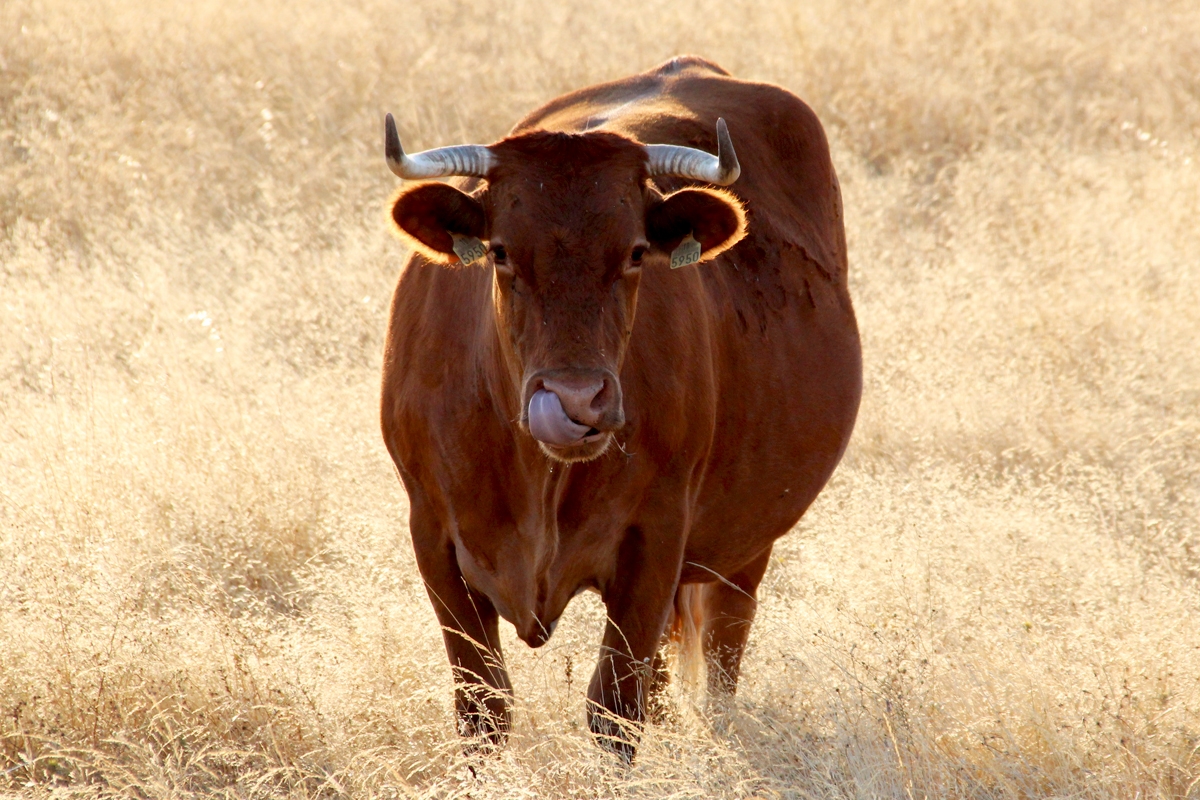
{"type": "Point", "coordinates": [206, 587]}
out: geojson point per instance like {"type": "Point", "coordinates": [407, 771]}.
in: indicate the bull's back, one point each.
{"type": "Point", "coordinates": [786, 362]}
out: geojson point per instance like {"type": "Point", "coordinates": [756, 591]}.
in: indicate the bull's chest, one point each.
{"type": "Point", "coordinates": [531, 548]}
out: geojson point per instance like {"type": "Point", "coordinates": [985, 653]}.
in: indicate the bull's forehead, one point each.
{"type": "Point", "coordinates": [582, 204]}
{"type": "Point", "coordinates": [566, 180]}
{"type": "Point", "coordinates": [607, 193]}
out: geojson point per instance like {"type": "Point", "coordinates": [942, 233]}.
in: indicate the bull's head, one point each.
{"type": "Point", "coordinates": [567, 223]}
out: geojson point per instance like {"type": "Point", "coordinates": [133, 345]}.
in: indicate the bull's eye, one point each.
{"type": "Point", "coordinates": [499, 254]}
{"type": "Point", "coordinates": [635, 257]}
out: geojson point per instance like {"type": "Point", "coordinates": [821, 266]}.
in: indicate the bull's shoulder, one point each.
{"type": "Point", "coordinates": [437, 322]}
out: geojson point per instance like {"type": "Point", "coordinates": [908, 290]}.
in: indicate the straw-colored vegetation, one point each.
{"type": "Point", "coordinates": [205, 581]}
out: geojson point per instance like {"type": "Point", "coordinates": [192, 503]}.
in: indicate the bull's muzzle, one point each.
{"type": "Point", "coordinates": [571, 407]}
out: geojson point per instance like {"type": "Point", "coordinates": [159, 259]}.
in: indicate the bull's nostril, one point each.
{"type": "Point", "coordinates": [600, 399]}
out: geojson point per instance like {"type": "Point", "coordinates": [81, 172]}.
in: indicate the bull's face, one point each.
{"type": "Point", "coordinates": [569, 224]}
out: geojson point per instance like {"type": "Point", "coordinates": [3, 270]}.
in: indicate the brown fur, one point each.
{"type": "Point", "coordinates": [727, 431]}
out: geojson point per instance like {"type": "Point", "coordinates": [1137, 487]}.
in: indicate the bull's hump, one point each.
{"type": "Point", "coordinates": [619, 105]}
{"type": "Point", "coordinates": [681, 64]}
{"type": "Point", "coordinates": [632, 116]}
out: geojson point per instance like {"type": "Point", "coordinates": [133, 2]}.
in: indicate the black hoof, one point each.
{"type": "Point", "coordinates": [616, 735]}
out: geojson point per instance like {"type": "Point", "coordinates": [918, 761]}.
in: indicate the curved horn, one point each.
{"type": "Point", "coordinates": [463, 159]}
{"type": "Point", "coordinates": [688, 162]}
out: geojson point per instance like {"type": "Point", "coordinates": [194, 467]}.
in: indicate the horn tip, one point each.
{"type": "Point", "coordinates": [723, 137]}
{"type": "Point", "coordinates": [723, 131]}
{"type": "Point", "coordinates": [730, 169]}
{"type": "Point", "coordinates": [392, 150]}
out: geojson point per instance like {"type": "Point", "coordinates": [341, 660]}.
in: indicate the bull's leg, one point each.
{"type": "Point", "coordinates": [729, 607]}
{"type": "Point", "coordinates": [482, 690]}
{"type": "Point", "coordinates": [470, 630]}
{"type": "Point", "coordinates": [638, 603]}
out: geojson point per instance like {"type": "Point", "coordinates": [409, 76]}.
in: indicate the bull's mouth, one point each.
{"type": "Point", "coordinates": [560, 435]}
{"type": "Point", "coordinates": [591, 445]}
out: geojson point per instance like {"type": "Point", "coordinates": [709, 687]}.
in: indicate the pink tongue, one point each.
{"type": "Point", "coordinates": [549, 423]}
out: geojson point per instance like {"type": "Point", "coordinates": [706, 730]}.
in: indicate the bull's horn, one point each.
{"type": "Point", "coordinates": [688, 162]}
{"type": "Point", "coordinates": [463, 159]}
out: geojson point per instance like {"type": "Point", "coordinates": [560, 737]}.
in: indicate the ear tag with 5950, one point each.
{"type": "Point", "coordinates": [688, 252]}
{"type": "Point", "coordinates": [468, 248]}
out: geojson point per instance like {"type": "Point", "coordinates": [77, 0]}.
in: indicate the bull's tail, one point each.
{"type": "Point", "coordinates": [687, 632]}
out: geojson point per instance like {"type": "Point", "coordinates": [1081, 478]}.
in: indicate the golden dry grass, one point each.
{"type": "Point", "coordinates": [205, 583]}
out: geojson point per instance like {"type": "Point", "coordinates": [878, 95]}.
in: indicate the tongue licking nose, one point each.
{"type": "Point", "coordinates": [549, 423]}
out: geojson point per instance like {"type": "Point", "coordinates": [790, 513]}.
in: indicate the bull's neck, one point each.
{"type": "Point", "coordinates": [497, 369]}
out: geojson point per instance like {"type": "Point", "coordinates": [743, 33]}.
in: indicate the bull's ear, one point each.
{"type": "Point", "coordinates": [715, 218]}
{"type": "Point", "coordinates": [428, 213]}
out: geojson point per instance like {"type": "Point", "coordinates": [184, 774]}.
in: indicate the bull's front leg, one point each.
{"type": "Point", "coordinates": [470, 630]}
{"type": "Point", "coordinates": [638, 601]}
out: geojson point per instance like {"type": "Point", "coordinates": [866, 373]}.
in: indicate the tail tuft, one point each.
{"type": "Point", "coordinates": [687, 630]}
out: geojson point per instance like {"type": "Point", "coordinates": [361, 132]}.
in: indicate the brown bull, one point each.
{"type": "Point", "coordinates": [569, 412]}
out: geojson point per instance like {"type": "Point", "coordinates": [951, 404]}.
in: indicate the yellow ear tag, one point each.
{"type": "Point", "coordinates": [468, 249]}
{"type": "Point", "coordinates": [688, 252]}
